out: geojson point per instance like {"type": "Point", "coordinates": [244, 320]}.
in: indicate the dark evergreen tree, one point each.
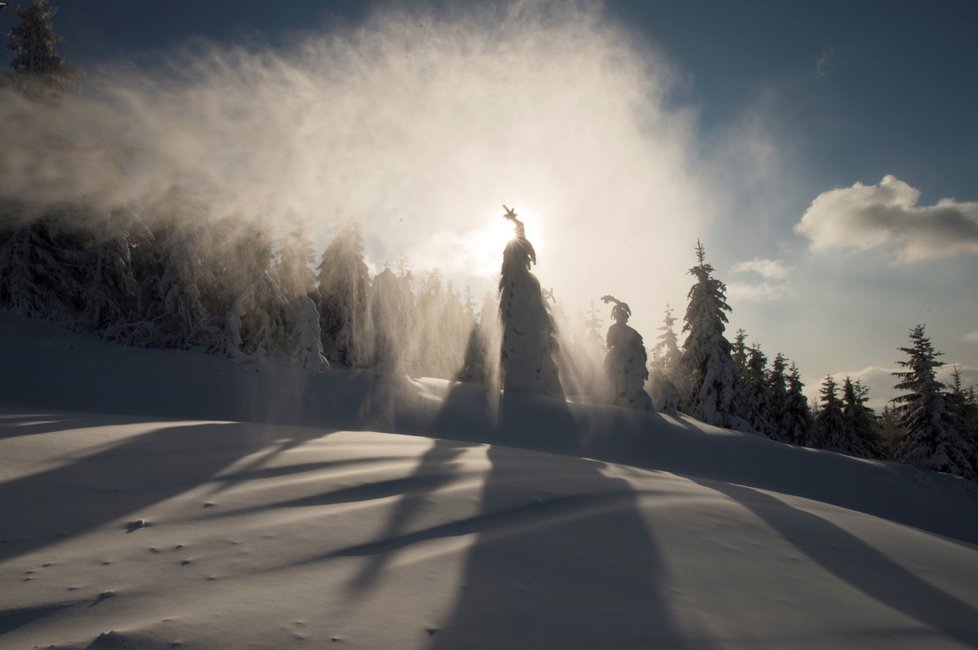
{"type": "Point", "coordinates": [754, 402]}
{"type": "Point", "coordinates": [777, 383]}
{"type": "Point", "coordinates": [862, 431]}
{"type": "Point", "coordinates": [707, 371]}
{"type": "Point", "coordinates": [932, 442]}
{"type": "Point", "coordinates": [829, 423]}
{"type": "Point", "coordinates": [799, 424]}
{"type": "Point", "coordinates": [38, 69]}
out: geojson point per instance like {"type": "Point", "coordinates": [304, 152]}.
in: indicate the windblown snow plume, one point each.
{"type": "Point", "coordinates": [415, 126]}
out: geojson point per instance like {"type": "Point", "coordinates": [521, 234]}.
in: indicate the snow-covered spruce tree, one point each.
{"type": "Point", "coordinates": [267, 316]}
{"type": "Point", "coordinates": [740, 352]}
{"type": "Point", "coordinates": [862, 431]}
{"type": "Point", "coordinates": [41, 266]}
{"type": "Point", "coordinates": [962, 407]}
{"type": "Point", "coordinates": [344, 284]}
{"type": "Point", "coordinates": [707, 372]}
{"type": "Point", "coordinates": [891, 433]}
{"type": "Point", "coordinates": [38, 69]}
{"type": "Point", "coordinates": [829, 424]}
{"type": "Point", "coordinates": [798, 427]}
{"type": "Point", "coordinates": [110, 292]}
{"type": "Point", "coordinates": [666, 356]}
{"type": "Point", "coordinates": [481, 364]}
{"type": "Point", "coordinates": [626, 361]}
{"type": "Point", "coordinates": [385, 325]}
{"type": "Point", "coordinates": [777, 383]}
{"type": "Point", "coordinates": [309, 341]}
{"type": "Point", "coordinates": [754, 393]}
{"type": "Point", "coordinates": [529, 336]}
{"type": "Point", "coordinates": [932, 442]}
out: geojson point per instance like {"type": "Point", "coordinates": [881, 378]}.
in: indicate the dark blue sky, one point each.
{"type": "Point", "coordinates": [897, 94]}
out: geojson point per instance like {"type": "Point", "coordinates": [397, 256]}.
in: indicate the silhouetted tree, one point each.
{"type": "Point", "coordinates": [529, 336]}
{"type": "Point", "coordinates": [626, 361]}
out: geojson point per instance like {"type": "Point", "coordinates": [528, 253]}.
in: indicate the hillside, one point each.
{"type": "Point", "coordinates": [159, 499]}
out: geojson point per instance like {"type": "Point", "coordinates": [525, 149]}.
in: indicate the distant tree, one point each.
{"type": "Point", "coordinates": [777, 384]}
{"type": "Point", "coordinates": [829, 422]}
{"type": "Point", "coordinates": [739, 352]}
{"type": "Point", "coordinates": [862, 431]}
{"type": "Point", "coordinates": [382, 347]}
{"type": "Point", "coordinates": [754, 393]}
{"type": "Point", "coordinates": [110, 292]}
{"type": "Point", "coordinates": [529, 335]}
{"type": "Point", "coordinates": [798, 426]}
{"type": "Point", "coordinates": [666, 357]}
{"type": "Point", "coordinates": [344, 285]}
{"type": "Point", "coordinates": [626, 361]}
{"type": "Point", "coordinates": [481, 363]}
{"type": "Point", "coordinates": [309, 342]}
{"type": "Point", "coordinates": [891, 433]}
{"type": "Point", "coordinates": [932, 442]}
{"type": "Point", "coordinates": [37, 67]}
{"type": "Point", "coordinates": [708, 373]}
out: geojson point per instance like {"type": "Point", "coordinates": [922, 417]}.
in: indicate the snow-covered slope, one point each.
{"type": "Point", "coordinates": [152, 498]}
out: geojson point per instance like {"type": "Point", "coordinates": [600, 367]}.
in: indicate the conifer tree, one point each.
{"type": "Point", "coordinates": [38, 69]}
{"type": "Point", "coordinates": [386, 332]}
{"type": "Point", "coordinates": [529, 335]}
{"type": "Point", "coordinates": [862, 431]}
{"type": "Point", "coordinates": [777, 383]}
{"type": "Point", "coordinates": [666, 357]}
{"type": "Point", "coordinates": [344, 283]}
{"type": "Point", "coordinates": [932, 442]}
{"type": "Point", "coordinates": [829, 421]}
{"type": "Point", "coordinates": [754, 403]}
{"type": "Point", "coordinates": [626, 362]}
{"type": "Point", "coordinates": [707, 370]}
{"type": "Point", "coordinates": [799, 426]}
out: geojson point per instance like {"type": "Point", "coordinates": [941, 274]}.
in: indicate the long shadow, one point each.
{"type": "Point", "coordinates": [15, 426]}
{"type": "Point", "coordinates": [123, 479]}
{"type": "Point", "coordinates": [561, 556]}
{"type": "Point", "coordinates": [859, 564]}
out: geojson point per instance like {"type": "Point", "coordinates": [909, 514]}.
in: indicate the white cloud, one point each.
{"type": "Point", "coordinates": [970, 337]}
{"type": "Point", "coordinates": [770, 286]}
{"type": "Point", "coordinates": [771, 269]}
{"type": "Point", "coordinates": [755, 291]}
{"type": "Point", "coordinates": [869, 216]}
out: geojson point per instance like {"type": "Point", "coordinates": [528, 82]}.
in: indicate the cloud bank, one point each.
{"type": "Point", "coordinates": [767, 284]}
{"type": "Point", "coordinates": [416, 126]}
{"type": "Point", "coordinates": [870, 216]}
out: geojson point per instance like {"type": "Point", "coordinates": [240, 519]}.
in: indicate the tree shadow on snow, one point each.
{"type": "Point", "coordinates": [561, 557]}
{"type": "Point", "coordinates": [859, 564]}
{"type": "Point", "coordinates": [122, 480]}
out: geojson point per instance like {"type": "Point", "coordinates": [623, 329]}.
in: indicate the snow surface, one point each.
{"type": "Point", "coordinates": [157, 499]}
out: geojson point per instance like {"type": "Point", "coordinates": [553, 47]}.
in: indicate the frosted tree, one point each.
{"type": "Point", "coordinates": [829, 423]}
{"type": "Point", "coordinates": [740, 352]}
{"type": "Point", "coordinates": [777, 383]}
{"type": "Point", "coordinates": [932, 442]}
{"type": "Point", "coordinates": [754, 393]}
{"type": "Point", "coordinates": [666, 357]}
{"type": "Point", "coordinates": [862, 431]}
{"type": "Point", "coordinates": [344, 285]}
{"type": "Point", "coordinates": [37, 277]}
{"type": "Point", "coordinates": [267, 315]}
{"type": "Point", "coordinates": [529, 336]}
{"type": "Point", "coordinates": [382, 347]}
{"type": "Point", "coordinates": [707, 371]}
{"type": "Point", "coordinates": [798, 427]}
{"type": "Point", "coordinates": [481, 364]}
{"type": "Point", "coordinates": [626, 361]}
{"type": "Point", "coordinates": [110, 292]}
{"type": "Point", "coordinates": [309, 342]}
{"type": "Point", "coordinates": [38, 69]}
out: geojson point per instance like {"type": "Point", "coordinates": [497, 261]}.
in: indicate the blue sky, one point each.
{"type": "Point", "coordinates": [768, 107]}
